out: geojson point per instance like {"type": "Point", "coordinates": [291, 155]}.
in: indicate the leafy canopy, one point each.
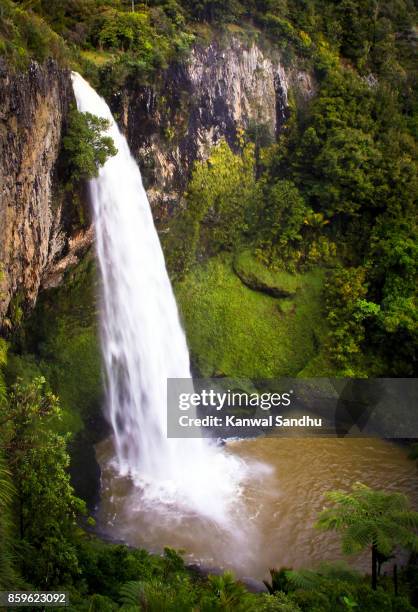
{"type": "Point", "coordinates": [45, 505]}
{"type": "Point", "coordinates": [366, 517]}
{"type": "Point", "coordinates": [85, 146]}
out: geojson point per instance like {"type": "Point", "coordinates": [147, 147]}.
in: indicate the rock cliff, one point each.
{"type": "Point", "coordinates": [221, 88]}
{"type": "Point", "coordinates": [34, 233]}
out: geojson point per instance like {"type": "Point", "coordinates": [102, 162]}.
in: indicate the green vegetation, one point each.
{"type": "Point", "coordinates": [339, 186]}
{"type": "Point", "coordinates": [220, 198]}
{"type": "Point", "coordinates": [46, 547]}
{"type": "Point", "coordinates": [3, 359]}
{"type": "Point", "coordinates": [60, 341]}
{"type": "Point", "coordinates": [375, 519]}
{"type": "Point", "coordinates": [277, 251]}
{"type": "Point", "coordinates": [257, 276]}
{"type": "Point", "coordinates": [85, 147]}
{"type": "Point", "coordinates": [278, 223]}
{"type": "Point", "coordinates": [129, 44]}
{"type": "Point", "coordinates": [354, 161]}
{"type": "Point", "coordinates": [338, 189]}
{"type": "Point", "coordinates": [291, 258]}
{"type": "Point", "coordinates": [235, 331]}
{"type": "Point", "coordinates": [44, 506]}
{"type": "Point", "coordinates": [24, 35]}
{"type": "Point", "coordinates": [8, 576]}
{"type": "Point", "coordinates": [374, 37]}
{"type": "Point", "coordinates": [335, 586]}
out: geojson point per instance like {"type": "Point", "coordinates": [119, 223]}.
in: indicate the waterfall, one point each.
{"type": "Point", "coordinates": [143, 343]}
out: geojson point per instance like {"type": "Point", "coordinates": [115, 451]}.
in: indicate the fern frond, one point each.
{"type": "Point", "coordinates": [130, 593]}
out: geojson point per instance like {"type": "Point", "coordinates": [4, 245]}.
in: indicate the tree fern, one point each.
{"type": "Point", "coordinates": [231, 594]}
{"type": "Point", "coordinates": [368, 518]}
{"type": "Point", "coordinates": [311, 579]}
{"type": "Point", "coordinates": [157, 595]}
{"type": "Point", "coordinates": [7, 572]}
{"type": "Point", "coordinates": [304, 579]}
{"type": "Point", "coordinates": [131, 595]}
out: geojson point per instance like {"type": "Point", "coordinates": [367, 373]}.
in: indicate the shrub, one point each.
{"type": "Point", "coordinates": [85, 147]}
{"type": "Point", "coordinates": [220, 198]}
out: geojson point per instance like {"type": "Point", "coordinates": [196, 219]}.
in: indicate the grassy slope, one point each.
{"type": "Point", "coordinates": [253, 273]}
{"type": "Point", "coordinates": [235, 331]}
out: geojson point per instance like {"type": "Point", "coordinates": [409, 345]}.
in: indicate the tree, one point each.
{"type": "Point", "coordinates": [371, 519]}
{"type": "Point", "coordinates": [213, 10]}
{"type": "Point", "coordinates": [45, 504]}
{"type": "Point", "coordinates": [282, 215]}
{"type": "Point", "coordinates": [393, 273]}
{"type": "Point", "coordinates": [347, 309]}
{"type": "Point", "coordinates": [220, 197]}
{"type": "Point", "coordinates": [346, 164]}
{"type": "Point", "coordinates": [85, 146]}
{"type": "Point", "coordinates": [230, 594]}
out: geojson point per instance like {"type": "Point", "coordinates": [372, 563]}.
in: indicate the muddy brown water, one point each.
{"type": "Point", "coordinates": [273, 520]}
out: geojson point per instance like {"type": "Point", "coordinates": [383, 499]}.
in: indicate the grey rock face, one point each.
{"type": "Point", "coordinates": [218, 90]}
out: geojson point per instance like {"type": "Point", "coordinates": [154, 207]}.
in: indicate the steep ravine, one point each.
{"type": "Point", "coordinates": [218, 90]}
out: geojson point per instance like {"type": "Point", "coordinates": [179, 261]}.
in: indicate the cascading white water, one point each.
{"type": "Point", "coordinates": [143, 343]}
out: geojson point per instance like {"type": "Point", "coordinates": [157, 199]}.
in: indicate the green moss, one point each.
{"type": "Point", "coordinates": [3, 361]}
{"type": "Point", "coordinates": [97, 57]}
{"type": "Point", "coordinates": [61, 339]}
{"type": "Point", "coordinates": [235, 331]}
{"type": "Point", "coordinates": [23, 367]}
{"type": "Point", "coordinates": [257, 276]}
{"type": "Point", "coordinates": [73, 369]}
{"type": "Point", "coordinates": [319, 365]}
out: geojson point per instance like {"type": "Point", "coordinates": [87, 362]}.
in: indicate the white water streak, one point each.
{"type": "Point", "coordinates": [143, 343]}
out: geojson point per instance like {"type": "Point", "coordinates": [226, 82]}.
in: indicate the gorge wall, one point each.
{"type": "Point", "coordinates": [36, 239]}
{"type": "Point", "coordinates": [220, 88]}
{"type": "Point", "coordinates": [225, 86]}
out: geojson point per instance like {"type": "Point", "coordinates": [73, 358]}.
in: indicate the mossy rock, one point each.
{"type": "Point", "coordinates": [277, 283]}
{"type": "Point", "coordinates": [244, 333]}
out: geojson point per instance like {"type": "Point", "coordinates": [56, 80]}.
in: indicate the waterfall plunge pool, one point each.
{"type": "Point", "coordinates": [272, 522]}
{"type": "Point", "coordinates": [248, 506]}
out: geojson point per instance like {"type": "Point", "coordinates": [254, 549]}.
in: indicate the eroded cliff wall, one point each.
{"type": "Point", "coordinates": [34, 237]}
{"type": "Point", "coordinates": [222, 87]}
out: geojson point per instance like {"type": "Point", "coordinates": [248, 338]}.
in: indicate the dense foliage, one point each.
{"type": "Point", "coordinates": [44, 505]}
{"type": "Point", "coordinates": [85, 146]}
{"type": "Point", "coordinates": [374, 519]}
{"type": "Point", "coordinates": [45, 547]}
{"type": "Point", "coordinates": [102, 38]}
{"type": "Point", "coordinates": [336, 195]}
{"type": "Point", "coordinates": [24, 35]}
{"type": "Point", "coordinates": [339, 187]}
{"type": "Point", "coordinates": [220, 198]}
